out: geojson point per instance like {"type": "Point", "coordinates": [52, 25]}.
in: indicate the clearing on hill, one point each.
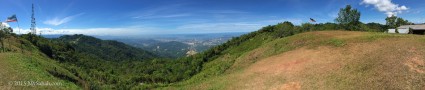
{"type": "Point", "coordinates": [326, 60]}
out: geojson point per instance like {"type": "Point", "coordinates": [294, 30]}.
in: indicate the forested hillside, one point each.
{"type": "Point", "coordinates": [100, 64]}
{"type": "Point", "coordinates": [104, 49]}
{"type": "Point", "coordinates": [24, 66]}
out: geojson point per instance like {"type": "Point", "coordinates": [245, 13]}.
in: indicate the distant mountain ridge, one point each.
{"type": "Point", "coordinates": [105, 49]}
{"type": "Point", "coordinates": [177, 45]}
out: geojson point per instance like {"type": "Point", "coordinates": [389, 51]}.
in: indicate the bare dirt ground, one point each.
{"type": "Point", "coordinates": [289, 67]}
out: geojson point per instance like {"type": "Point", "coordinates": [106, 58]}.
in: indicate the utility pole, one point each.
{"type": "Point", "coordinates": [33, 29]}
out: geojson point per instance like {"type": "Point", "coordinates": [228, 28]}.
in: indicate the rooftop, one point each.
{"type": "Point", "coordinates": [417, 27]}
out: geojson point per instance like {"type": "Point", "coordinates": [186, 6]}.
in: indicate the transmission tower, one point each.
{"type": "Point", "coordinates": [33, 29]}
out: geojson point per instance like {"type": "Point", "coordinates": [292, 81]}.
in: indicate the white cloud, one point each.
{"type": "Point", "coordinates": [57, 21]}
{"type": "Point", "coordinates": [386, 6]}
{"type": "Point", "coordinates": [4, 25]}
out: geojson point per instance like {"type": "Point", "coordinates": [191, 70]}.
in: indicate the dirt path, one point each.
{"type": "Point", "coordinates": [282, 72]}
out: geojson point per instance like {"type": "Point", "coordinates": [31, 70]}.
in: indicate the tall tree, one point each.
{"type": "Point", "coordinates": [349, 18]}
{"type": "Point", "coordinates": [400, 21]}
{"type": "Point", "coordinates": [391, 21]}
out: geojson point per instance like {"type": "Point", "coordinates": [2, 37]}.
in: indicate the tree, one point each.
{"type": "Point", "coordinates": [348, 18]}
{"type": "Point", "coordinates": [2, 36]}
{"type": "Point", "coordinates": [394, 22]}
{"type": "Point", "coordinates": [400, 21]}
{"type": "Point", "coordinates": [4, 33]}
{"type": "Point", "coordinates": [391, 21]}
{"type": "Point", "coordinates": [284, 29]}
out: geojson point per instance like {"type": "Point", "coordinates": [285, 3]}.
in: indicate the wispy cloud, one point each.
{"type": "Point", "coordinates": [171, 11]}
{"type": "Point", "coordinates": [58, 21]}
{"type": "Point", "coordinates": [178, 11]}
{"type": "Point", "coordinates": [128, 31]}
{"type": "Point", "coordinates": [189, 28]}
{"type": "Point", "coordinates": [219, 27]}
{"type": "Point", "coordinates": [162, 16]}
{"type": "Point", "coordinates": [226, 12]}
{"type": "Point", "coordinates": [386, 6]}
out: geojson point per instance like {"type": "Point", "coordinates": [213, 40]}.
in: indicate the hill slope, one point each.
{"type": "Point", "coordinates": [30, 69]}
{"type": "Point", "coordinates": [73, 62]}
{"type": "Point", "coordinates": [105, 49]}
{"type": "Point", "coordinates": [319, 60]}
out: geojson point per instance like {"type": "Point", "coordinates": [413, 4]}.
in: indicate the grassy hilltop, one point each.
{"type": "Point", "coordinates": [317, 60]}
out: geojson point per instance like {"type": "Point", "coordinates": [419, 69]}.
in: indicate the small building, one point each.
{"type": "Point", "coordinates": [409, 29]}
{"type": "Point", "coordinates": [400, 31]}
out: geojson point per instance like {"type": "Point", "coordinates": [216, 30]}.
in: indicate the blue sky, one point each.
{"type": "Point", "coordinates": [150, 17]}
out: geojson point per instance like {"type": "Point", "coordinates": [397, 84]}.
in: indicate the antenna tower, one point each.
{"type": "Point", "coordinates": [33, 30]}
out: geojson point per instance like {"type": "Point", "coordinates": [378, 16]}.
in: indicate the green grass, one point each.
{"type": "Point", "coordinates": [336, 42]}
{"type": "Point", "coordinates": [24, 63]}
{"type": "Point", "coordinates": [19, 67]}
